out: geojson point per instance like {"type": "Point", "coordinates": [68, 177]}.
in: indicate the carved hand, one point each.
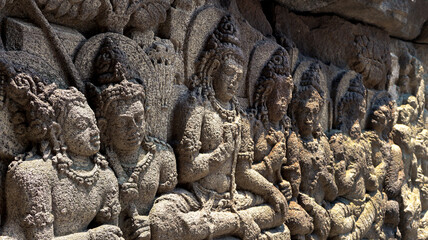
{"type": "Point", "coordinates": [276, 157]}
{"type": "Point", "coordinates": [275, 137]}
{"type": "Point", "coordinates": [141, 224]}
{"type": "Point", "coordinates": [285, 188]}
{"type": "Point", "coordinates": [277, 200]}
{"type": "Point", "coordinates": [229, 136]}
{"type": "Point", "coordinates": [105, 232]}
{"type": "Point", "coordinates": [248, 228]}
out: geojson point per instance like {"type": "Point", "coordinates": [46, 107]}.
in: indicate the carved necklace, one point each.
{"type": "Point", "coordinates": [228, 115]}
{"type": "Point", "coordinates": [63, 165]}
{"type": "Point", "coordinates": [143, 164]}
{"type": "Point", "coordinates": [140, 166]}
{"type": "Point", "coordinates": [311, 146]}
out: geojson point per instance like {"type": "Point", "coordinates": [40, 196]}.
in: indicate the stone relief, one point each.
{"type": "Point", "coordinates": [157, 119]}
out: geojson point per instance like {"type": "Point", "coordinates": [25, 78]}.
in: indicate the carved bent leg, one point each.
{"type": "Point", "coordinates": [370, 215]}
{"type": "Point", "coordinates": [265, 216]}
{"type": "Point", "coordinates": [190, 221]}
{"type": "Point", "coordinates": [342, 218]}
{"type": "Point", "coordinates": [320, 217]}
{"type": "Point", "coordinates": [410, 212]}
{"type": "Point", "coordinates": [298, 220]}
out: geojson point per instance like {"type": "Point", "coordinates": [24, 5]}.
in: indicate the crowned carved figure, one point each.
{"type": "Point", "coordinates": [271, 127]}
{"type": "Point", "coordinates": [309, 146]}
{"type": "Point", "coordinates": [403, 134]}
{"type": "Point", "coordinates": [354, 212]}
{"type": "Point", "coordinates": [224, 195]}
{"type": "Point", "coordinates": [145, 166]}
{"type": "Point", "coordinates": [421, 150]}
{"type": "Point", "coordinates": [63, 185]}
{"type": "Point", "coordinates": [387, 160]}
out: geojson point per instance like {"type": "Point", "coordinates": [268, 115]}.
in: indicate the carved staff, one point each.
{"type": "Point", "coordinates": [68, 66]}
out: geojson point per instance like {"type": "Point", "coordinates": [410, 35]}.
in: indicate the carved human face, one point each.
{"type": "Point", "coordinates": [380, 118]}
{"type": "Point", "coordinates": [421, 144]}
{"type": "Point", "coordinates": [405, 114]}
{"type": "Point", "coordinates": [126, 126]}
{"type": "Point", "coordinates": [279, 99]}
{"type": "Point", "coordinates": [307, 117]}
{"type": "Point", "coordinates": [227, 79]}
{"type": "Point", "coordinates": [80, 131]}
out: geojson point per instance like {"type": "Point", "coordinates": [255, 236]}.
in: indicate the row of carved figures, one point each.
{"type": "Point", "coordinates": [255, 174]}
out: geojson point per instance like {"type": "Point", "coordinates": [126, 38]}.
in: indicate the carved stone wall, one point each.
{"type": "Point", "coordinates": [213, 119]}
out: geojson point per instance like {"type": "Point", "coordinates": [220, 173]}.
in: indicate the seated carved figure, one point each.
{"type": "Point", "coordinates": [387, 161]}
{"type": "Point", "coordinates": [271, 129]}
{"type": "Point", "coordinates": [145, 166]}
{"type": "Point", "coordinates": [403, 134]}
{"type": "Point", "coordinates": [354, 211]}
{"type": "Point", "coordinates": [215, 157]}
{"type": "Point", "coordinates": [65, 186]}
{"type": "Point", "coordinates": [421, 151]}
{"type": "Point", "coordinates": [309, 146]}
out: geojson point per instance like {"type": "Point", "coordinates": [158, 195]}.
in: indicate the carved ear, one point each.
{"type": "Point", "coordinates": [55, 133]}
{"type": "Point", "coordinates": [213, 67]}
{"type": "Point", "coordinates": [102, 125]}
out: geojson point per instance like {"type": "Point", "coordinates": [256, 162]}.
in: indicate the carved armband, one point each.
{"type": "Point", "coordinates": [189, 145]}
{"type": "Point", "coordinates": [37, 219]}
{"type": "Point", "coordinates": [246, 156]}
{"type": "Point", "coordinates": [170, 183]}
{"type": "Point", "coordinates": [111, 207]}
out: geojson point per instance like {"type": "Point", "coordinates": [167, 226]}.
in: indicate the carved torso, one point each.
{"type": "Point", "coordinates": [51, 199]}
{"type": "Point", "coordinates": [349, 153]}
{"type": "Point", "coordinates": [158, 175]}
{"type": "Point", "coordinates": [212, 134]}
{"type": "Point", "coordinates": [315, 161]}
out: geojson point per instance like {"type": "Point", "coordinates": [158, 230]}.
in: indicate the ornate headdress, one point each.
{"type": "Point", "coordinates": [122, 91]}
{"type": "Point", "coordinates": [112, 64]}
{"type": "Point", "coordinates": [222, 44]}
{"type": "Point", "coordinates": [354, 98]}
{"type": "Point", "coordinates": [309, 90]}
{"type": "Point", "coordinates": [278, 64]}
{"type": "Point", "coordinates": [384, 100]}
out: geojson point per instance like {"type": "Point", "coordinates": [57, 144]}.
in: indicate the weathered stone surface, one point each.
{"type": "Point", "coordinates": [347, 45]}
{"type": "Point", "coordinates": [400, 18]}
{"type": "Point", "coordinates": [24, 36]}
{"type": "Point", "coordinates": [216, 119]}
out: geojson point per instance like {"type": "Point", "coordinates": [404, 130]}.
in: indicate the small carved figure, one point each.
{"type": "Point", "coordinates": [63, 186]}
{"type": "Point", "coordinates": [386, 157]}
{"type": "Point", "coordinates": [354, 211]}
{"type": "Point", "coordinates": [215, 157]}
{"type": "Point", "coordinates": [309, 146]}
{"type": "Point", "coordinates": [421, 151]}
{"type": "Point", "coordinates": [402, 134]}
{"type": "Point", "coordinates": [271, 129]}
{"type": "Point", "coordinates": [425, 110]}
{"type": "Point", "coordinates": [144, 166]}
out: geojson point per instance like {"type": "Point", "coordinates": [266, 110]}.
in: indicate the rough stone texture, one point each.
{"type": "Point", "coordinates": [213, 119]}
{"type": "Point", "coordinates": [399, 18]}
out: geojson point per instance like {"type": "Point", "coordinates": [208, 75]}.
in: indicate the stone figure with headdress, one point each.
{"type": "Point", "coordinates": [145, 166]}
{"type": "Point", "coordinates": [64, 186]}
{"type": "Point", "coordinates": [271, 128]}
{"type": "Point", "coordinates": [308, 145]}
{"type": "Point", "coordinates": [223, 195]}
{"type": "Point", "coordinates": [354, 212]}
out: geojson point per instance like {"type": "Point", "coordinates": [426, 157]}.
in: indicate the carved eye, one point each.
{"type": "Point", "coordinates": [106, 56]}
{"type": "Point", "coordinates": [277, 60]}
{"type": "Point", "coordinates": [229, 72]}
{"type": "Point", "coordinates": [139, 119]}
{"type": "Point", "coordinates": [82, 124]}
{"type": "Point", "coordinates": [121, 123]}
